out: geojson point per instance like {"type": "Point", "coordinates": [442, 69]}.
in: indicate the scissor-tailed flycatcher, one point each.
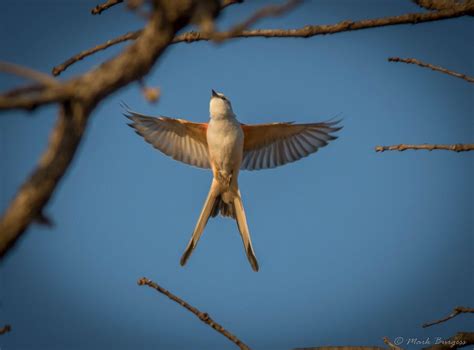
{"type": "Point", "coordinates": [225, 145]}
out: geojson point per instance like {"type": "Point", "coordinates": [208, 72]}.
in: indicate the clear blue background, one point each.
{"type": "Point", "coordinates": [353, 245]}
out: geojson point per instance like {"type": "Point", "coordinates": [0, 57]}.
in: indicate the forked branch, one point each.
{"type": "Point", "coordinates": [79, 96]}
{"type": "Point", "coordinates": [203, 316]}
{"type": "Point", "coordinates": [304, 32]}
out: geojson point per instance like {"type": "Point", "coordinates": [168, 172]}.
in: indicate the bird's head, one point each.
{"type": "Point", "coordinates": [220, 106]}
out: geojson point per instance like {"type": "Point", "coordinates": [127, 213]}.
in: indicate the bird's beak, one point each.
{"type": "Point", "coordinates": [214, 94]}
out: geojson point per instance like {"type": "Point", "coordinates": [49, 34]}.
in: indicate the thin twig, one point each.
{"type": "Point", "coordinates": [28, 73]}
{"type": "Point", "coordinates": [104, 6]}
{"type": "Point", "coordinates": [81, 55]}
{"type": "Point", "coordinates": [403, 147]}
{"type": "Point", "coordinates": [456, 311]}
{"type": "Point", "coordinates": [304, 32]}
{"type": "Point", "coordinates": [433, 67]}
{"type": "Point", "coordinates": [267, 11]}
{"type": "Point", "coordinates": [459, 340]}
{"type": "Point", "coordinates": [5, 329]}
{"type": "Point", "coordinates": [203, 316]}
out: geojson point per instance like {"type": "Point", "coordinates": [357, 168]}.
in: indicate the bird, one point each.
{"type": "Point", "coordinates": [227, 146]}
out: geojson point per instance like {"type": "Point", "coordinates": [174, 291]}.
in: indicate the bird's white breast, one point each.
{"type": "Point", "coordinates": [225, 140]}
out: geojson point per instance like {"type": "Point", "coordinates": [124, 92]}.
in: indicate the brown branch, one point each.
{"type": "Point", "coordinates": [81, 55]}
{"type": "Point", "coordinates": [31, 97]}
{"type": "Point", "coordinates": [461, 339]}
{"type": "Point", "coordinates": [5, 329]}
{"type": "Point", "coordinates": [46, 90]}
{"type": "Point", "coordinates": [436, 4]}
{"type": "Point", "coordinates": [344, 26]}
{"type": "Point", "coordinates": [433, 67]}
{"type": "Point", "coordinates": [267, 11]}
{"type": "Point", "coordinates": [35, 192]}
{"type": "Point", "coordinates": [203, 316]}
{"type": "Point", "coordinates": [104, 6]}
{"type": "Point", "coordinates": [82, 96]}
{"type": "Point", "coordinates": [305, 32]}
{"type": "Point", "coordinates": [122, 38]}
{"type": "Point", "coordinates": [456, 311]}
{"type": "Point", "coordinates": [27, 73]}
{"type": "Point", "coordinates": [403, 147]}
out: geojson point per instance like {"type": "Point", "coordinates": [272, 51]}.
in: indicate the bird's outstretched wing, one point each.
{"type": "Point", "coordinates": [180, 139]}
{"type": "Point", "coordinates": [270, 145]}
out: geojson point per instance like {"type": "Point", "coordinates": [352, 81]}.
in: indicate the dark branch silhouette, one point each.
{"type": "Point", "coordinates": [203, 316]}
{"type": "Point", "coordinates": [106, 5]}
{"type": "Point", "coordinates": [5, 329]}
{"type": "Point", "coordinates": [433, 67]}
{"type": "Point", "coordinates": [404, 147]}
{"type": "Point", "coordinates": [457, 311]}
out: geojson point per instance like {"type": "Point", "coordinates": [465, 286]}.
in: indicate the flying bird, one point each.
{"type": "Point", "coordinates": [227, 146]}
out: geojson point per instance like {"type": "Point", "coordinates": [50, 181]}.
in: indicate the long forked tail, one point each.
{"type": "Point", "coordinates": [207, 210]}
{"type": "Point", "coordinates": [244, 231]}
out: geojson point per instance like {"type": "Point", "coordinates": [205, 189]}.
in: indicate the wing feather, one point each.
{"type": "Point", "coordinates": [180, 139]}
{"type": "Point", "coordinates": [271, 145]}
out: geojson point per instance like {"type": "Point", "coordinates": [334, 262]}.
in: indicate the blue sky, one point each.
{"type": "Point", "coordinates": [353, 245]}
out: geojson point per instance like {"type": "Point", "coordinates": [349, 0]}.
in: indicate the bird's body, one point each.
{"type": "Point", "coordinates": [225, 140]}
{"type": "Point", "coordinates": [226, 146]}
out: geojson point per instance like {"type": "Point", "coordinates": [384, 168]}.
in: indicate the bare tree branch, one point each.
{"type": "Point", "coordinates": [461, 339]}
{"type": "Point", "coordinates": [433, 67]}
{"type": "Point", "coordinates": [344, 26]}
{"type": "Point", "coordinates": [120, 39]}
{"type": "Point", "coordinates": [81, 95]}
{"type": "Point", "coordinates": [456, 311]}
{"type": "Point", "coordinates": [437, 4]}
{"type": "Point", "coordinates": [5, 329]}
{"type": "Point", "coordinates": [104, 6]}
{"type": "Point", "coordinates": [81, 55]}
{"type": "Point", "coordinates": [267, 11]}
{"type": "Point", "coordinates": [30, 97]}
{"type": "Point", "coordinates": [403, 147]}
{"type": "Point", "coordinates": [36, 191]}
{"type": "Point", "coordinates": [27, 73]}
{"type": "Point", "coordinates": [304, 32]}
{"type": "Point", "coordinates": [203, 316]}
